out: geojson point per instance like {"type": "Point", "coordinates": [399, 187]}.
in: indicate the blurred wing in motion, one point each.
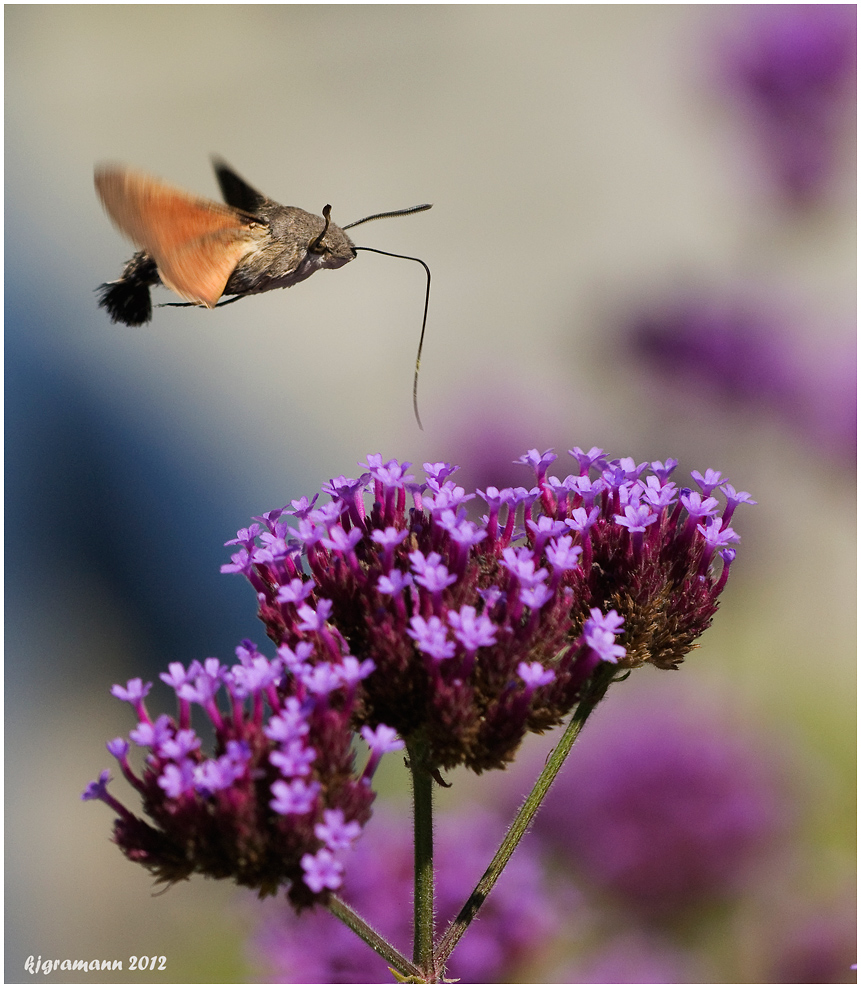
{"type": "Point", "coordinates": [196, 243]}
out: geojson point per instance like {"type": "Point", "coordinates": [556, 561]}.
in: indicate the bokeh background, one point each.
{"type": "Point", "coordinates": [643, 238]}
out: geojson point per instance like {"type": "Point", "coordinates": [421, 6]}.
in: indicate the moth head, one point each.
{"type": "Point", "coordinates": [332, 247]}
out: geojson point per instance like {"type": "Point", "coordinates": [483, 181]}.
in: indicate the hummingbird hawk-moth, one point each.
{"type": "Point", "coordinates": [207, 251]}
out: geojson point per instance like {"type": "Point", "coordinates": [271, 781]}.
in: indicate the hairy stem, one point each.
{"type": "Point", "coordinates": [423, 946]}
{"type": "Point", "coordinates": [391, 955]}
{"type": "Point", "coordinates": [521, 822]}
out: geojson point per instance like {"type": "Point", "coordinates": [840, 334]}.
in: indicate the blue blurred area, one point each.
{"type": "Point", "coordinates": [114, 542]}
{"type": "Point", "coordinates": [93, 498]}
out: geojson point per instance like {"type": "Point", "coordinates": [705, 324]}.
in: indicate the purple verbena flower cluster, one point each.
{"type": "Point", "coordinates": [409, 619]}
{"type": "Point", "coordinates": [279, 800]}
{"type": "Point", "coordinates": [481, 631]}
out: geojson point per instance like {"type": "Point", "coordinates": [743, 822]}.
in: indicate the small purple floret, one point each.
{"type": "Point", "coordinates": [322, 870]}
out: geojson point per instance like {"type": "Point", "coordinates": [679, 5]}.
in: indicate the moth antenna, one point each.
{"type": "Point", "coordinates": [314, 246]}
{"type": "Point", "coordinates": [384, 216]}
{"type": "Point", "coordinates": [418, 260]}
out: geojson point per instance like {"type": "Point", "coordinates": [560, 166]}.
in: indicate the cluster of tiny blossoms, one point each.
{"type": "Point", "coordinates": [408, 618]}
{"type": "Point", "coordinates": [279, 801]}
{"type": "Point", "coordinates": [481, 631]}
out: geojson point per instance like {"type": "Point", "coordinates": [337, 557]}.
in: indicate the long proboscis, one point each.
{"type": "Point", "coordinates": [405, 257]}
{"type": "Point", "coordinates": [384, 216]}
{"type": "Point", "coordinates": [367, 219]}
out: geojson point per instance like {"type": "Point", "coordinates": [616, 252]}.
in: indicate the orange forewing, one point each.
{"type": "Point", "coordinates": [195, 242]}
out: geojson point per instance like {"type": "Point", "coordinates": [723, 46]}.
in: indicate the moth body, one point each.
{"type": "Point", "coordinates": [282, 258]}
{"type": "Point", "coordinates": [204, 250]}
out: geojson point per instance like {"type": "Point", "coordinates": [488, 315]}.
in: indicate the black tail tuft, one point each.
{"type": "Point", "coordinates": [126, 302]}
{"type": "Point", "coordinates": [127, 299]}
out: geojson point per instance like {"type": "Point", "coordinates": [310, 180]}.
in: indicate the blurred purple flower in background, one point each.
{"type": "Point", "coordinates": [666, 810]}
{"type": "Point", "coordinates": [791, 70]}
{"type": "Point", "coordinates": [516, 927]}
{"type": "Point", "coordinates": [632, 959]}
{"type": "Point", "coordinates": [739, 352]}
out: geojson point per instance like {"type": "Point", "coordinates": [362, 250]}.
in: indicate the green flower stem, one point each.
{"type": "Point", "coordinates": [423, 945]}
{"type": "Point", "coordinates": [519, 826]}
{"type": "Point", "coordinates": [390, 954]}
